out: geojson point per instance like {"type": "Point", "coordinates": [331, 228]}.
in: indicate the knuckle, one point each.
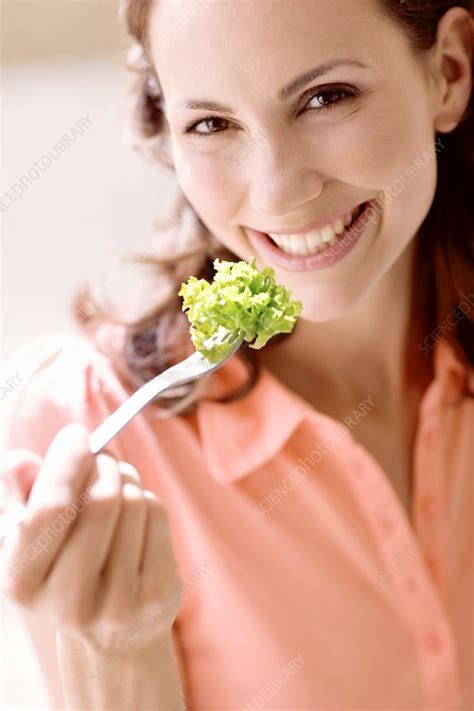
{"type": "Point", "coordinates": [128, 470]}
{"type": "Point", "coordinates": [105, 459]}
{"type": "Point", "coordinates": [155, 508]}
{"type": "Point", "coordinates": [132, 499]}
{"type": "Point", "coordinates": [73, 613]}
{"type": "Point", "coordinates": [162, 611]}
{"type": "Point", "coordinates": [74, 430]}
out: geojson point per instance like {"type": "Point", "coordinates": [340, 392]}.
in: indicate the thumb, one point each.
{"type": "Point", "coordinates": [19, 470]}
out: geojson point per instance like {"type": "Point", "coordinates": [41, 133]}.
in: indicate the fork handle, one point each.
{"type": "Point", "coordinates": [179, 374]}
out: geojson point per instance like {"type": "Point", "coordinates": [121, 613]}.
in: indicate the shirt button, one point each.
{"type": "Point", "coordinates": [432, 434]}
{"type": "Point", "coordinates": [428, 506]}
{"type": "Point", "coordinates": [432, 565]}
{"type": "Point", "coordinates": [433, 642]}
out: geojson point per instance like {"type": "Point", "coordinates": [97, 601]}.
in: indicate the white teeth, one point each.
{"type": "Point", "coordinates": [286, 243]}
{"type": "Point", "coordinates": [339, 227]}
{"type": "Point", "coordinates": [309, 243]}
{"type": "Point", "coordinates": [297, 246]}
{"type": "Point", "coordinates": [327, 233]}
{"type": "Point", "coordinates": [315, 240]}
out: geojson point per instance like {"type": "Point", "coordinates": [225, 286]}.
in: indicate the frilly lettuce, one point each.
{"type": "Point", "coordinates": [241, 298]}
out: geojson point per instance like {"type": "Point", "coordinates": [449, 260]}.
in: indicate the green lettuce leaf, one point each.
{"type": "Point", "coordinates": [241, 298]}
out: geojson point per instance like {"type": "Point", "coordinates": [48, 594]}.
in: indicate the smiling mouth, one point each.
{"type": "Point", "coordinates": [316, 240]}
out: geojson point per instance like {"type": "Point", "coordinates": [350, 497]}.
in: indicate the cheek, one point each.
{"type": "Point", "coordinates": [378, 144]}
{"type": "Point", "coordinates": [397, 151]}
{"type": "Point", "coordinates": [208, 181]}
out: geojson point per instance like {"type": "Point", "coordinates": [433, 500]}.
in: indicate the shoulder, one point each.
{"type": "Point", "coordinates": [51, 381]}
{"type": "Point", "coordinates": [58, 367]}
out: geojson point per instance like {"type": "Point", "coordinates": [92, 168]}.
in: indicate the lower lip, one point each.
{"type": "Point", "coordinates": [327, 258]}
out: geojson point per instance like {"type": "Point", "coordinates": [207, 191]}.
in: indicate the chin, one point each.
{"type": "Point", "coordinates": [319, 313]}
{"type": "Point", "coordinates": [330, 304]}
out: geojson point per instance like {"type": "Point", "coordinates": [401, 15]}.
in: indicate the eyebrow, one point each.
{"type": "Point", "coordinates": [286, 92]}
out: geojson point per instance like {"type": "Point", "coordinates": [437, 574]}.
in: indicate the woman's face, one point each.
{"type": "Point", "coordinates": [272, 159]}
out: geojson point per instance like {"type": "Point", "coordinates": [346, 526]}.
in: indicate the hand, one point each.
{"type": "Point", "coordinates": [94, 554]}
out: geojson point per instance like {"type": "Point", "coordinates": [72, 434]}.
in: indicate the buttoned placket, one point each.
{"type": "Point", "coordinates": [417, 584]}
{"type": "Point", "coordinates": [427, 502]}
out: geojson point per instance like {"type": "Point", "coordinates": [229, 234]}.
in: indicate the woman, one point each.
{"type": "Point", "coordinates": [296, 531]}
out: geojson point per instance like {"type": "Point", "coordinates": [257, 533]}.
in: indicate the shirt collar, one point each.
{"type": "Point", "coordinates": [240, 436]}
{"type": "Point", "coordinates": [451, 377]}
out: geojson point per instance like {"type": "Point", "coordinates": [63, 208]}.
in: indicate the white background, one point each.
{"type": "Point", "coordinates": [61, 60]}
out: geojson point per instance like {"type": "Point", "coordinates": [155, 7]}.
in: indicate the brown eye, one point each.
{"type": "Point", "coordinates": [209, 120]}
{"type": "Point", "coordinates": [331, 97]}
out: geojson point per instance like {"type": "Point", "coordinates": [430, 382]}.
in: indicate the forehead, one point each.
{"type": "Point", "coordinates": [248, 42]}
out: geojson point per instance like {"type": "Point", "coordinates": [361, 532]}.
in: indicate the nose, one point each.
{"type": "Point", "coordinates": [281, 177]}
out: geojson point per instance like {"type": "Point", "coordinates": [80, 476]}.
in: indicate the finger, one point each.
{"type": "Point", "coordinates": [157, 570]}
{"type": "Point", "coordinates": [160, 586]}
{"type": "Point", "coordinates": [65, 471]}
{"type": "Point", "coordinates": [128, 470]}
{"type": "Point", "coordinates": [32, 547]}
{"type": "Point", "coordinates": [120, 573]}
{"type": "Point", "coordinates": [76, 571]}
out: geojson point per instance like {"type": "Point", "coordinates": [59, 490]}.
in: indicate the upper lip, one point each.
{"type": "Point", "coordinates": [315, 224]}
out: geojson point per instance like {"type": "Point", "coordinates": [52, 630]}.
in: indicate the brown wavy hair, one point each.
{"type": "Point", "coordinates": [157, 337]}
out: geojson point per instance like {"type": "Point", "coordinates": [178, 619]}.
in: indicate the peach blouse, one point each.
{"type": "Point", "coordinates": [306, 585]}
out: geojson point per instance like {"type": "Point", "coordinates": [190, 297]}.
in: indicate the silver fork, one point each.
{"type": "Point", "coordinates": [192, 368]}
